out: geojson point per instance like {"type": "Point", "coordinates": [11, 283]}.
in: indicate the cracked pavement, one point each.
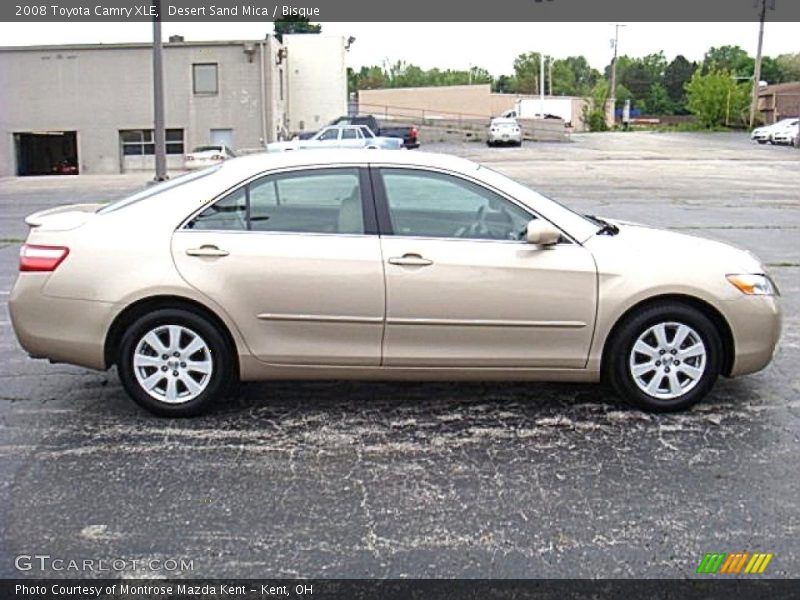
{"type": "Point", "coordinates": [347, 479]}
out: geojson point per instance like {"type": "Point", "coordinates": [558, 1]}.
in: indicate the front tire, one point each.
{"type": "Point", "coordinates": [174, 363]}
{"type": "Point", "coordinates": [664, 358]}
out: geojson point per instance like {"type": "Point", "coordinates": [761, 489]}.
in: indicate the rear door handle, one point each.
{"type": "Point", "coordinates": [410, 260]}
{"type": "Point", "coordinates": [207, 250]}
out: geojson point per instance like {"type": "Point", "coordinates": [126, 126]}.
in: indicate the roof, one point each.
{"type": "Point", "coordinates": [778, 88]}
{"type": "Point", "coordinates": [124, 45]}
{"type": "Point", "coordinates": [250, 164]}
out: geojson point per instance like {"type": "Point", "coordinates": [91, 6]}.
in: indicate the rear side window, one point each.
{"type": "Point", "coordinates": [316, 201]}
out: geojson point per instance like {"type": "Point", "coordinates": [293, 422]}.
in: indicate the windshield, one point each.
{"type": "Point", "coordinates": [366, 131]}
{"type": "Point", "coordinates": [208, 149]}
{"type": "Point", "coordinates": [152, 190]}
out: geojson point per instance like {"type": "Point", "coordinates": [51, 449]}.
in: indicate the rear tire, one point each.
{"type": "Point", "coordinates": [664, 358]}
{"type": "Point", "coordinates": [175, 363]}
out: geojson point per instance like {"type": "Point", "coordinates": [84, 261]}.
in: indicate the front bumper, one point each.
{"type": "Point", "coordinates": [60, 329]}
{"type": "Point", "coordinates": [755, 323]}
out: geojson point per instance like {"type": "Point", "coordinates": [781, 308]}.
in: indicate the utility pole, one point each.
{"type": "Point", "coordinates": [158, 98]}
{"type": "Point", "coordinates": [612, 92]}
{"type": "Point", "coordinates": [541, 85]}
{"type": "Point", "coordinates": [757, 73]}
{"type": "Point", "coordinates": [550, 74]}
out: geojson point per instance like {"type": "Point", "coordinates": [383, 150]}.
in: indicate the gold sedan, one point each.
{"type": "Point", "coordinates": [381, 265]}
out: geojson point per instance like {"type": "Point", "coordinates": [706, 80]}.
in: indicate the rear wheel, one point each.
{"type": "Point", "coordinates": [665, 358]}
{"type": "Point", "coordinates": [174, 363]}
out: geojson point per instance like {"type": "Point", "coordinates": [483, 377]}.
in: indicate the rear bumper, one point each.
{"type": "Point", "coordinates": [411, 144]}
{"type": "Point", "coordinates": [60, 329]}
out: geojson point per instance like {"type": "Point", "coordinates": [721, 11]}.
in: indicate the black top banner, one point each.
{"type": "Point", "coordinates": [401, 10]}
{"type": "Point", "coordinates": [407, 589]}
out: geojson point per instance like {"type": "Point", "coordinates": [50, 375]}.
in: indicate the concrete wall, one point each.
{"type": "Point", "coordinates": [317, 79]}
{"type": "Point", "coordinates": [98, 91]}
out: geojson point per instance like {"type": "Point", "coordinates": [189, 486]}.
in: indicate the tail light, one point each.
{"type": "Point", "coordinates": [41, 258]}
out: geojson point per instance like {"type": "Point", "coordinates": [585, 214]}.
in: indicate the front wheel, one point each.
{"type": "Point", "coordinates": [665, 358]}
{"type": "Point", "coordinates": [174, 363]}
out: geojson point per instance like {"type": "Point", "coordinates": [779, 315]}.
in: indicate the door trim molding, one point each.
{"type": "Point", "coordinates": [486, 323]}
{"type": "Point", "coordinates": [318, 318]}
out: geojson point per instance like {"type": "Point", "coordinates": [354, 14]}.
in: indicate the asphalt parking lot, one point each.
{"type": "Point", "coordinates": [337, 479]}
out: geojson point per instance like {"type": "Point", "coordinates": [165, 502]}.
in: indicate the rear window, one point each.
{"type": "Point", "coordinates": [208, 149]}
{"type": "Point", "coordinates": [157, 189]}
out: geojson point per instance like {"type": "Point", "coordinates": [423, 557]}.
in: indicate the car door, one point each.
{"type": "Point", "coordinates": [351, 138]}
{"type": "Point", "coordinates": [295, 263]}
{"type": "Point", "coordinates": [328, 138]}
{"type": "Point", "coordinates": [463, 290]}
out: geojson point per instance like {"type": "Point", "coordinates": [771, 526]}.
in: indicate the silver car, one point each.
{"type": "Point", "coordinates": [503, 130]}
{"type": "Point", "coordinates": [344, 136]}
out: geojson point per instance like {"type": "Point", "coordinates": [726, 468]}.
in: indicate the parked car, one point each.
{"type": "Point", "coordinates": [408, 133]}
{"type": "Point", "coordinates": [340, 136]}
{"type": "Point", "coordinates": [206, 156]}
{"type": "Point", "coordinates": [64, 167]}
{"type": "Point", "coordinates": [786, 135]}
{"type": "Point", "coordinates": [764, 134]}
{"type": "Point", "coordinates": [504, 131]}
{"type": "Point", "coordinates": [381, 265]}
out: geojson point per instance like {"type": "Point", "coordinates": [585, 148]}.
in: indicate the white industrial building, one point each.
{"type": "Point", "coordinates": [91, 105]}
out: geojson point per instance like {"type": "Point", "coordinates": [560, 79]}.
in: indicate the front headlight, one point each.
{"type": "Point", "coordinates": [754, 285]}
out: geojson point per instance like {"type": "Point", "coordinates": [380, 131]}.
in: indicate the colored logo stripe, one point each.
{"type": "Point", "coordinates": [732, 564]}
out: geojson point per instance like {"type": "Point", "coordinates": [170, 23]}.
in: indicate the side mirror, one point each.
{"type": "Point", "coordinates": [542, 233]}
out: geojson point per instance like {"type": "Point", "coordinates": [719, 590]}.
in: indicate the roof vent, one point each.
{"type": "Point", "coordinates": [174, 39]}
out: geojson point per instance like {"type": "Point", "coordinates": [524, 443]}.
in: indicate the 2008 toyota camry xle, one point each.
{"type": "Point", "coordinates": [381, 265]}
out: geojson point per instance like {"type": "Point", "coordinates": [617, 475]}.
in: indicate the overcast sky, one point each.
{"type": "Point", "coordinates": [492, 46]}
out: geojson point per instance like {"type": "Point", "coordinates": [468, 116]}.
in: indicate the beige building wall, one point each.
{"type": "Point", "coordinates": [317, 79]}
{"type": "Point", "coordinates": [98, 90]}
{"type": "Point", "coordinates": [447, 102]}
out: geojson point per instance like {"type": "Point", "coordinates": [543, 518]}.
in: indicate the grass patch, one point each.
{"type": "Point", "coordinates": [11, 241]}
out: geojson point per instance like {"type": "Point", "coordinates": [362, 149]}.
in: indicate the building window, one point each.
{"type": "Point", "coordinates": [204, 76]}
{"type": "Point", "coordinates": [138, 142]}
{"type": "Point", "coordinates": [280, 82]}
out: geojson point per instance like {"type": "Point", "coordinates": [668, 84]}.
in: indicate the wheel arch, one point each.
{"type": "Point", "coordinates": [716, 317]}
{"type": "Point", "coordinates": [143, 306]}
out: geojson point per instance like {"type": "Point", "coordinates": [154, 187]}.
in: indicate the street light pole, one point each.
{"type": "Point", "coordinates": [757, 71]}
{"type": "Point", "coordinates": [158, 97]}
{"type": "Point", "coordinates": [612, 92]}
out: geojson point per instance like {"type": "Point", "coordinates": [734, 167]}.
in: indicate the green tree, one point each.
{"type": "Point", "coordinates": [677, 74]}
{"type": "Point", "coordinates": [294, 25]}
{"type": "Point", "coordinates": [790, 66]}
{"type": "Point", "coordinates": [573, 76]}
{"type": "Point", "coordinates": [716, 99]}
{"type": "Point", "coordinates": [594, 115]}
{"type": "Point", "coordinates": [526, 73]}
{"type": "Point", "coordinates": [733, 59]}
{"type": "Point", "coordinates": [658, 101]}
{"type": "Point", "coordinates": [772, 70]}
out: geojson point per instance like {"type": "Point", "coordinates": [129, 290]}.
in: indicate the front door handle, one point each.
{"type": "Point", "coordinates": [410, 260]}
{"type": "Point", "coordinates": [207, 250]}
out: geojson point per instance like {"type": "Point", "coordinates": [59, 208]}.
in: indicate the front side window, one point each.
{"type": "Point", "coordinates": [204, 78]}
{"type": "Point", "coordinates": [316, 201]}
{"type": "Point", "coordinates": [329, 134]}
{"type": "Point", "coordinates": [428, 204]}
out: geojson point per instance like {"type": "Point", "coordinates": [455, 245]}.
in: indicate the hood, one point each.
{"type": "Point", "coordinates": [662, 247]}
{"type": "Point", "coordinates": [62, 218]}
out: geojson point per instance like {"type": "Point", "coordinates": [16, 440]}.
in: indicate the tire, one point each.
{"type": "Point", "coordinates": [171, 387]}
{"type": "Point", "coordinates": [633, 374]}
{"type": "Point", "coordinates": [762, 141]}
{"type": "Point", "coordinates": [490, 144]}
